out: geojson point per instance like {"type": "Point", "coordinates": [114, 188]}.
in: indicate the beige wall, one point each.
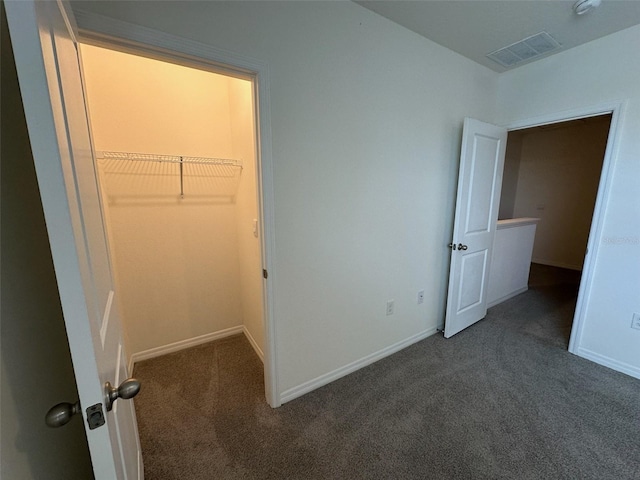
{"type": "Point", "coordinates": [243, 140]}
{"type": "Point", "coordinates": [36, 371]}
{"type": "Point", "coordinates": [177, 259]}
{"type": "Point", "coordinates": [510, 175]}
{"type": "Point", "coordinates": [558, 175]}
{"type": "Point", "coordinates": [143, 105]}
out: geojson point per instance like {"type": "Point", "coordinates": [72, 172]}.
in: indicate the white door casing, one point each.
{"type": "Point", "coordinates": [479, 185]}
{"type": "Point", "coordinates": [50, 77]}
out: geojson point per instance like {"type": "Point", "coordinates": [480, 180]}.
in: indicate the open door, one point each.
{"type": "Point", "coordinates": [50, 80]}
{"type": "Point", "coordinates": [474, 228]}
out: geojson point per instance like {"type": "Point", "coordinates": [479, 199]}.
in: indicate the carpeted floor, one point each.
{"type": "Point", "coordinates": [501, 400]}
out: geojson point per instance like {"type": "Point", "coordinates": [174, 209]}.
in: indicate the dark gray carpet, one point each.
{"type": "Point", "coordinates": [501, 400]}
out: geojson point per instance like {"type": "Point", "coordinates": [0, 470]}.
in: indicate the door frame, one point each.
{"type": "Point", "coordinates": [616, 109]}
{"type": "Point", "coordinates": [129, 38]}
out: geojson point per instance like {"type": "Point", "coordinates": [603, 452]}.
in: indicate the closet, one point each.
{"type": "Point", "coordinates": [176, 156]}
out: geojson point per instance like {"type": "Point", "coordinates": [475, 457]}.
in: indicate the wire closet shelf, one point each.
{"type": "Point", "coordinates": [153, 157]}
{"type": "Point", "coordinates": [182, 161]}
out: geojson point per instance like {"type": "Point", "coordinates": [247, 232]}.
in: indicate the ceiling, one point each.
{"type": "Point", "coordinates": [474, 28]}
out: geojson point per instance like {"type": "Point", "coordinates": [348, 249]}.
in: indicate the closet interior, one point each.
{"type": "Point", "coordinates": [176, 157]}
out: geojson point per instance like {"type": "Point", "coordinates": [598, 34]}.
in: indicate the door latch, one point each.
{"type": "Point", "coordinates": [95, 416]}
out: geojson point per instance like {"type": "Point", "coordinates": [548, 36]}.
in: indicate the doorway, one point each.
{"type": "Point", "coordinates": [553, 173]}
{"type": "Point", "coordinates": [176, 149]}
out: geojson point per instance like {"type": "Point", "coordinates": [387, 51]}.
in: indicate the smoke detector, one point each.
{"type": "Point", "coordinates": [584, 6]}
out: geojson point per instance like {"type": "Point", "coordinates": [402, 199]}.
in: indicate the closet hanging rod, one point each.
{"type": "Point", "coordinates": [153, 157]}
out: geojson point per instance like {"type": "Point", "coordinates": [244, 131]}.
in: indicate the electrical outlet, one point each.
{"type": "Point", "coordinates": [391, 305]}
{"type": "Point", "coordinates": [420, 297]}
{"type": "Point", "coordinates": [635, 321]}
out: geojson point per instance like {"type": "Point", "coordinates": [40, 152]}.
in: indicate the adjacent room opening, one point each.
{"type": "Point", "coordinates": [550, 184]}
{"type": "Point", "coordinates": [177, 162]}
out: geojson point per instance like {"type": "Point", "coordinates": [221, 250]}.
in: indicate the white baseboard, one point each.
{"type": "Point", "coordinates": [609, 362]}
{"type": "Point", "coordinates": [182, 344]}
{"type": "Point", "coordinates": [507, 297]}
{"type": "Point", "coordinates": [322, 380]}
{"type": "Point", "coordinates": [140, 465]}
{"type": "Point", "coordinates": [556, 264]}
{"type": "Point", "coordinates": [253, 343]}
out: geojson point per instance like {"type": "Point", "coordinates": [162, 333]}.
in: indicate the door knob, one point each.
{"type": "Point", "coordinates": [60, 414]}
{"type": "Point", "coordinates": [127, 389]}
{"type": "Point", "coordinates": [452, 246]}
{"type": "Point", "coordinates": [462, 247]}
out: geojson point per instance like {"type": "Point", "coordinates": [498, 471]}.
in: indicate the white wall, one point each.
{"type": "Point", "coordinates": [366, 121]}
{"type": "Point", "coordinates": [601, 71]}
{"type": "Point", "coordinates": [176, 259]}
{"type": "Point", "coordinates": [511, 260]}
{"type": "Point", "coordinates": [241, 108]}
{"type": "Point", "coordinates": [36, 371]}
{"type": "Point", "coordinates": [558, 176]}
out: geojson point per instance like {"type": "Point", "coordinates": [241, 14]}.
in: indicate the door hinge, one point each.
{"type": "Point", "coordinates": [95, 417]}
{"type": "Point", "coordinates": [265, 274]}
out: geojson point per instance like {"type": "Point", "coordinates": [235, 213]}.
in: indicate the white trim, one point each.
{"type": "Point", "coordinates": [106, 316]}
{"type": "Point", "coordinates": [616, 109]}
{"type": "Point", "coordinates": [111, 33]}
{"type": "Point", "coordinates": [253, 343]}
{"type": "Point", "coordinates": [119, 364]}
{"type": "Point", "coordinates": [507, 297]}
{"type": "Point", "coordinates": [183, 344]}
{"type": "Point", "coordinates": [130, 364]}
{"type": "Point", "coordinates": [329, 377]}
{"type": "Point", "coordinates": [595, 234]}
{"type": "Point", "coordinates": [551, 263]}
{"type": "Point", "coordinates": [140, 465]}
{"type": "Point", "coordinates": [516, 222]}
{"type": "Point", "coordinates": [564, 116]}
{"type": "Point", "coordinates": [609, 362]}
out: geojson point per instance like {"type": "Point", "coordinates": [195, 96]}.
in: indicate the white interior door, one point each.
{"type": "Point", "coordinates": [479, 185]}
{"type": "Point", "coordinates": [47, 60]}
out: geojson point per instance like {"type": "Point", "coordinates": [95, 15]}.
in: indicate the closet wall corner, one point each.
{"type": "Point", "coordinates": [176, 157]}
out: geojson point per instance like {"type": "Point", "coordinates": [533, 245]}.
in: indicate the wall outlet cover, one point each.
{"type": "Point", "coordinates": [390, 307]}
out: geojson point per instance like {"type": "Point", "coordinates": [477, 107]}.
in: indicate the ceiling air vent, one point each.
{"type": "Point", "coordinates": [526, 49]}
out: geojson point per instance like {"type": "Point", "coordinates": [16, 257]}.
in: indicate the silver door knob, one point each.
{"type": "Point", "coordinates": [60, 414]}
{"type": "Point", "coordinates": [127, 389]}
{"type": "Point", "coordinates": [462, 247]}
